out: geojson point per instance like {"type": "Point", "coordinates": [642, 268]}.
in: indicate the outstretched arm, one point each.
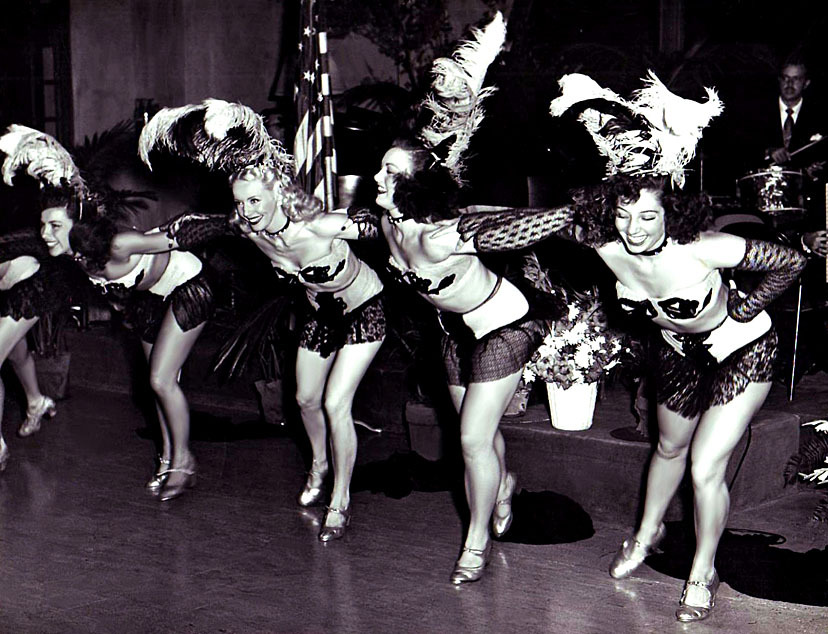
{"type": "Point", "coordinates": [354, 223]}
{"type": "Point", "coordinates": [190, 230]}
{"type": "Point", "coordinates": [514, 228]}
{"type": "Point", "coordinates": [782, 264]}
{"type": "Point", "coordinates": [185, 231]}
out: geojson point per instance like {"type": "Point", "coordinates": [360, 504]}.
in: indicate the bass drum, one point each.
{"type": "Point", "coordinates": [774, 191]}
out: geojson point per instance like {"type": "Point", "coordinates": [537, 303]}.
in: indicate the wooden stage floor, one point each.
{"type": "Point", "coordinates": [83, 548]}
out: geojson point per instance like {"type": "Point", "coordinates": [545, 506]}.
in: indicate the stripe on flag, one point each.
{"type": "Point", "coordinates": [313, 146]}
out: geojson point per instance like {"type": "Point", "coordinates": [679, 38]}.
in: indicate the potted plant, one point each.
{"type": "Point", "coordinates": [811, 464]}
{"type": "Point", "coordinates": [52, 356]}
{"type": "Point", "coordinates": [578, 349]}
{"type": "Point", "coordinates": [262, 341]}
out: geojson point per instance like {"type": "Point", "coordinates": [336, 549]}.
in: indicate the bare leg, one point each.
{"type": "Point", "coordinates": [169, 353]}
{"type": "Point", "coordinates": [24, 367]}
{"type": "Point", "coordinates": [311, 377]}
{"type": "Point", "coordinates": [349, 367]}
{"type": "Point", "coordinates": [719, 431]}
{"type": "Point", "coordinates": [482, 408]}
{"type": "Point", "coordinates": [666, 469]}
{"type": "Point", "coordinates": [11, 332]}
{"type": "Point", "coordinates": [458, 394]}
{"type": "Point", "coordinates": [166, 445]}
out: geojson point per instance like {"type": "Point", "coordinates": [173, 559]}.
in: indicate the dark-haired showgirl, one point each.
{"type": "Point", "coordinates": [166, 299]}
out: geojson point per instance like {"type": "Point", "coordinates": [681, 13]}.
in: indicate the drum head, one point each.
{"type": "Point", "coordinates": [772, 191]}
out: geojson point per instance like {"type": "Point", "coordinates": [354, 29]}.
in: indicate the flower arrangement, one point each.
{"type": "Point", "coordinates": [579, 347]}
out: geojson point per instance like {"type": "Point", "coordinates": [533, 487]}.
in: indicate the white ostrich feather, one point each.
{"type": "Point", "coordinates": [457, 94]}
{"type": "Point", "coordinates": [674, 125]}
{"type": "Point", "coordinates": [218, 134]}
{"type": "Point", "coordinates": [44, 157]}
{"type": "Point", "coordinates": [577, 87]}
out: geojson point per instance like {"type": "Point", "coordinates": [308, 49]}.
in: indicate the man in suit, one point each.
{"type": "Point", "coordinates": [794, 121]}
{"type": "Point", "coordinates": [789, 139]}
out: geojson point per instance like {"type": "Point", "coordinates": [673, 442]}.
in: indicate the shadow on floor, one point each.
{"type": "Point", "coordinates": [753, 563]}
{"type": "Point", "coordinates": [404, 472]}
{"type": "Point", "coordinates": [541, 517]}
{"type": "Point", "coordinates": [211, 428]}
{"type": "Point", "coordinates": [545, 517]}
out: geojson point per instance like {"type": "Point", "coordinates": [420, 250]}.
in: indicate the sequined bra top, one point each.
{"type": "Point", "coordinates": [440, 283]}
{"type": "Point", "coordinates": [340, 275]}
{"type": "Point", "coordinates": [125, 282]}
{"type": "Point", "coordinates": [688, 303]}
{"type": "Point", "coordinates": [327, 273]}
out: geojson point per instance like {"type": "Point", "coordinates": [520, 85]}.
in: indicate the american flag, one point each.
{"type": "Point", "coordinates": [313, 146]}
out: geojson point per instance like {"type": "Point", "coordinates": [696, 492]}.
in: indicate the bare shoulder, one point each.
{"type": "Point", "coordinates": [329, 225]}
{"type": "Point", "coordinates": [719, 250]}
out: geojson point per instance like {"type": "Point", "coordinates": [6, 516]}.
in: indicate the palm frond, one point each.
{"type": "Point", "coordinates": [258, 338]}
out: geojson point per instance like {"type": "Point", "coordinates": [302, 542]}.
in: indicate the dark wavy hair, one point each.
{"type": "Point", "coordinates": [429, 193]}
{"type": "Point", "coordinates": [92, 240]}
{"type": "Point", "coordinates": [61, 197]}
{"type": "Point", "coordinates": [685, 215]}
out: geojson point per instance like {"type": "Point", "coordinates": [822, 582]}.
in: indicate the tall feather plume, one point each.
{"type": "Point", "coordinates": [664, 144]}
{"type": "Point", "coordinates": [45, 159]}
{"type": "Point", "coordinates": [217, 134]}
{"type": "Point", "coordinates": [457, 93]}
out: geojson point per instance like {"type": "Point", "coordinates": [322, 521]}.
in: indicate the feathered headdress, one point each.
{"type": "Point", "coordinates": [44, 158]}
{"type": "Point", "coordinates": [655, 132]}
{"type": "Point", "coordinates": [219, 135]}
{"type": "Point", "coordinates": [457, 92]}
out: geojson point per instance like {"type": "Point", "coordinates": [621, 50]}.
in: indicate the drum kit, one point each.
{"type": "Point", "coordinates": [771, 203]}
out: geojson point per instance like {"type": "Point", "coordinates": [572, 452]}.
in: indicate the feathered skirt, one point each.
{"type": "Point", "coordinates": [501, 352]}
{"type": "Point", "coordinates": [689, 385]}
{"type": "Point", "coordinates": [185, 287]}
{"type": "Point", "coordinates": [48, 290]}
{"type": "Point", "coordinates": [327, 329]}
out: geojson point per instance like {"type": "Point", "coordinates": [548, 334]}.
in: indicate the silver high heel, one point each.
{"type": "Point", "coordinates": [469, 574]}
{"type": "Point", "coordinates": [633, 553]}
{"type": "Point", "coordinates": [310, 494]}
{"type": "Point", "coordinates": [687, 613]}
{"type": "Point", "coordinates": [171, 491]}
{"type": "Point", "coordinates": [160, 477]}
{"type": "Point", "coordinates": [328, 533]}
{"type": "Point", "coordinates": [502, 524]}
{"type": "Point", "coordinates": [46, 409]}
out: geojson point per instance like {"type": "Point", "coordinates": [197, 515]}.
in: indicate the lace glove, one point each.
{"type": "Point", "coordinates": [514, 228]}
{"type": "Point", "coordinates": [783, 266]}
{"type": "Point", "coordinates": [190, 230]}
{"type": "Point", "coordinates": [23, 242]}
{"type": "Point", "coordinates": [367, 222]}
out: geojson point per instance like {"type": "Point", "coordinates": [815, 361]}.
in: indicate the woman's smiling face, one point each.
{"type": "Point", "coordinates": [640, 223]}
{"type": "Point", "coordinates": [396, 161]}
{"type": "Point", "coordinates": [255, 202]}
{"type": "Point", "coordinates": [55, 225]}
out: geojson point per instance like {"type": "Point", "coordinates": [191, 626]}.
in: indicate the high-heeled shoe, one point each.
{"type": "Point", "coordinates": [161, 474]}
{"type": "Point", "coordinates": [4, 454]}
{"type": "Point", "coordinates": [687, 613]}
{"type": "Point", "coordinates": [633, 553]}
{"type": "Point", "coordinates": [502, 524]}
{"type": "Point", "coordinates": [311, 494]}
{"type": "Point", "coordinates": [171, 491]}
{"type": "Point", "coordinates": [46, 409]}
{"type": "Point", "coordinates": [329, 533]}
{"type": "Point", "coordinates": [468, 574]}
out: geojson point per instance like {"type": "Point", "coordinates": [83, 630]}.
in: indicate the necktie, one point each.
{"type": "Point", "coordinates": [787, 128]}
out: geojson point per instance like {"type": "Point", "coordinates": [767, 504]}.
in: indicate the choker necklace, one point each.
{"type": "Point", "coordinates": [395, 220]}
{"type": "Point", "coordinates": [651, 252]}
{"type": "Point", "coordinates": [278, 231]}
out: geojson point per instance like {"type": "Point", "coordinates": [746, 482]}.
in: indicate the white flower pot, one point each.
{"type": "Point", "coordinates": [572, 409]}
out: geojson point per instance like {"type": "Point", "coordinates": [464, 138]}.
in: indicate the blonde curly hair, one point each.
{"type": "Point", "coordinates": [294, 202]}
